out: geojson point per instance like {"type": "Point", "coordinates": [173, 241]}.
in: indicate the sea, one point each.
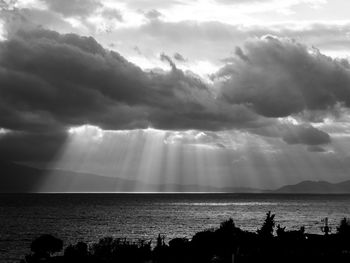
{"type": "Point", "coordinates": [89, 217]}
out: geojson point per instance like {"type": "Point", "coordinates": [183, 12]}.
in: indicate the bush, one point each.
{"type": "Point", "coordinates": [46, 245]}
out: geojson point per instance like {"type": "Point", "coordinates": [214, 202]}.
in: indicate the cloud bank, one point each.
{"type": "Point", "coordinates": [279, 77]}
{"type": "Point", "coordinates": [51, 81]}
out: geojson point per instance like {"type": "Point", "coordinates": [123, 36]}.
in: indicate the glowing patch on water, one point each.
{"type": "Point", "coordinates": [229, 204]}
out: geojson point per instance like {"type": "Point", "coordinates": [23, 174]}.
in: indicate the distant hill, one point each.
{"type": "Point", "coordinates": [17, 178]}
{"type": "Point", "coordinates": [20, 178]}
{"type": "Point", "coordinates": [320, 187]}
{"type": "Point", "coordinates": [245, 190]}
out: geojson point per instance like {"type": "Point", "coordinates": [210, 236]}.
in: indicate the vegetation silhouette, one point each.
{"type": "Point", "coordinates": [226, 244]}
{"type": "Point", "coordinates": [43, 247]}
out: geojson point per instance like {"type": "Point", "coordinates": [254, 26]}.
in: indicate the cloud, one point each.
{"type": "Point", "coordinates": [166, 58]}
{"type": "Point", "coordinates": [111, 14]}
{"type": "Point", "coordinates": [70, 8]}
{"type": "Point", "coordinates": [216, 39]}
{"type": "Point", "coordinates": [27, 19]}
{"type": "Point", "coordinates": [240, 54]}
{"type": "Point", "coordinates": [45, 74]}
{"type": "Point", "coordinates": [278, 77]}
{"type": "Point", "coordinates": [154, 4]}
{"type": "Point", "coordinates": [49, 80]}
{"type": "Point", "coordinates": [294, 133]}
{"type": "Point", "coordinates": [235, 2]}
{"type": "Point", "coordinates": [195, 138]}
{"type": "Point", "coordinates": [316, 148]}
{"type": "Point", "coordinates": [153, 14]}
{"type": "Point", "coordinates": [306, 134]}
{"type": "Point", "coordinates": [212, 41]}
{"type": "Point", "coordinates": [179, 57]}
{"type": "Point", "coordinates": [287, 3]}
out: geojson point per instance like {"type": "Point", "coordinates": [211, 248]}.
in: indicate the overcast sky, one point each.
{"type": "Point", "coordinates": [221, 92]}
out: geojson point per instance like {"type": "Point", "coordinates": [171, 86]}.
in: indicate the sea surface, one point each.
{"type": "Point", "coordinates": [89, 217]}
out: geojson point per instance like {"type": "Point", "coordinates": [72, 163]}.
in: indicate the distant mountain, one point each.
{"type": "Point", "coordinates": [313, 187]}
{"type": "Point", "coordinates": [211, 189]}
{"type": "Point", "coordinates": [17, 178]}
{"type": "Point", "coordinates": [20, 178]}
{"type": "Point", "coordinates": [245, 190]}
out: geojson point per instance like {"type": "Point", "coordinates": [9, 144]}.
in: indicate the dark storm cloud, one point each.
{"type": "Point", "coordinates": [279, 77]}
{"type": "Point", "coordinates": [52, 81]}
{"type": "Point", "coordinates": [64, 77]}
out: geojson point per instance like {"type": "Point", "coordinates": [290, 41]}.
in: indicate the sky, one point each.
{"type": "Point", "coordinates": [224, 93]}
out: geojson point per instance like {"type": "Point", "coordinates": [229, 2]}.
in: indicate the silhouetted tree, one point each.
{"type": "Point", "coordinates": [228, 237]}
{"type": "Point", "coordinates": [43, 247]}
{"type": "Point", "coordinates": [228, 225]}
{"type": "Point", "coordinates": [344, 227]}
{"type": "Point", "coordinates": [343, 234]}
{"type": "Point", "coordinates": [204, 244]}
{"type": "Point", "coordinates": [46, 245]}
{"type": "Point", "coordinates": [178, 243]}
{"type": "Point", "coordinates": [179, 250]}
{"type": "Point", "coordinates": [77, 253]}
{"type": "Point", "coordinates": [266, 231]}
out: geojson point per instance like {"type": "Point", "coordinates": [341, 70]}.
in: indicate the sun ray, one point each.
{"type": "Point", "coordinates": [149, 167]}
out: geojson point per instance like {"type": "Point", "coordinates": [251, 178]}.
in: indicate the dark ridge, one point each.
{"type": "Point", "coordinates": [316, 187]}
{"type": "Point", "coordinates": [18, 178]}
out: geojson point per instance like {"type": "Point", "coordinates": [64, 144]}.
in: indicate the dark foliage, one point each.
{"type": "Point", "coordinates": [344, 228]}
{"type": "Point", "coordinates": [266, 231]}
{"type": "Point", "coordinates": [226, 244]}
{"type": "Point", "coordinates": [43, 247]}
